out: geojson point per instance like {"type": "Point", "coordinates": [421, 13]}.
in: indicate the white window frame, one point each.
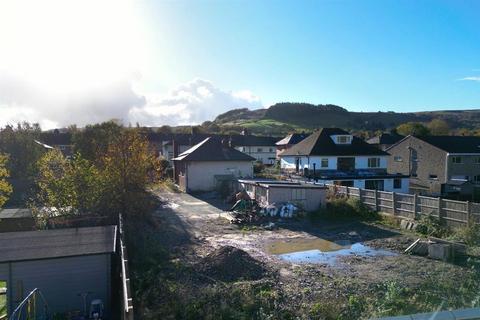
{"type": "Point", "coordinates": [322, 163]}
{"type": "Point", "coordinates": [398, 159]}
{"type": "Point", "coordinates": [455, 158]}
{"type": "Point", "coordinates": [347, 139]}
{"type": "Point", "coordinates": [373, 165]}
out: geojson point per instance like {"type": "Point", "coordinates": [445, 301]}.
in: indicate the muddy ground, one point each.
{"type": "Point", "coordinates": [194, 228]}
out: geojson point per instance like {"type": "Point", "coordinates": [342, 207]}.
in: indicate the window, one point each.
{"type": "Point", "coordinates": [259, 150]}
{"type": "Point", "coordinates": [477, 160]}
{"type": "Point", "coordinates": [374, 184]}
{"type": "Point", "coordinates": [270, 150]}
{"type": "Point", "coordinates": [397, 183]}
{"type": "Point", "coordinates": [459, 178]}
{"type": "Point", "coordinates": [457, 160]}
{"type": "Point", "coordinates": [432, 177]}
{"type": "Point", "coordinates": [373, 162]}
{"type": "Point", "coordinates": [397, 159]}
{"type": "Point", "coordinates": [476, 179]}
{"type": "Point", "coordinates": [324, 163]}
{"type": "Point", "coordinates": [343, 139]}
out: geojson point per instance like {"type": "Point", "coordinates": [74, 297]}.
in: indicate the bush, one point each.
{"type": "Point", "coordinates": [346, 208]}
{"type": "Point", "coordinates": [431, 226]}
{"type": "Point", "coordinates": [470, 235]}
{"type": "Point", "coordinates": [258, 167]}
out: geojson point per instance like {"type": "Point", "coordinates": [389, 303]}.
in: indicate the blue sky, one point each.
{"type": "Point", "coordinates": [366, 55]}
{"type": "Point", "coordinates": [184, 62]}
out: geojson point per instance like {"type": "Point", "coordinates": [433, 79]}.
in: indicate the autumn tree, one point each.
{"type": "Point", "coordinates": [92, 142]}
{"type": "Point", "coordinates": [5, 187]}
{"type": "Point", "coordinates": [438, 127]}
{"type": "Point", "coordinates": [128, 166]}
{"type": "Point", "coordinates": [67, 187]}
{"type": "Point", "coordinates": [19, 143]}
{"type": "Point", "coordinates": [412, 128]}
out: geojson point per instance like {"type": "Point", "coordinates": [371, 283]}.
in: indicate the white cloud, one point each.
{"type": "Point", "coordinates": [24, 101]}
{"type": "Point", "coordinates": [191, 103]}
{"type": "Point", "coordinates": [470, 79]}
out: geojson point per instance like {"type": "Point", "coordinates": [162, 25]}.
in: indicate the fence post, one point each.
{"type": "Point", "coordinates": [468, 213]}
{"type": "Point", "coordinates": [415, 206]}
{"type": "Point", "coordinates": [375, 195]}
{"type": "Point", "coordinates": [394, 205]}
{"type": "Point", "coordinates": [360, 194]}
{"type": "Point", "coordinates": [439, 208]}
{"type": "Point", "coordinates": [348, 192]}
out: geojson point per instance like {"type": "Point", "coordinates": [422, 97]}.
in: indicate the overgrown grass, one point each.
{"type": "Point", "coordinates": [3, 300]}
{"type": "Point", "coordinates": [345, 209]}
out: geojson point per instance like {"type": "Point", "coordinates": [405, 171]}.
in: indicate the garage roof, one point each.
{"type": "Point", "coordinates": [47, 244]}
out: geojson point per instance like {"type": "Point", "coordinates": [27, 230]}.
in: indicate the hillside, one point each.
{"type": "Point", "coordinates": [286, 116]}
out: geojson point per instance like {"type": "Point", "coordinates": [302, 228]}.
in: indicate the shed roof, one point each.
{"type": "Point", "coordinates": [46, 244]}
{"type": "Point", "coordinates": [320, 143]}
{"type": "Point", "coordinates": [14, 213]}
{"type": "Point", "coordinates": [212, 149]}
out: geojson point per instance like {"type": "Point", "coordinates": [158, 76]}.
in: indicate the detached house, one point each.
{"type": "Point", "coordinates": [261, 148]}
{"type": "Point", "coordinates": [439, 165]}
{"type": "Point", "coordinates": [332, 155]}
{"type": "Point", "coordinates": [205, 165]}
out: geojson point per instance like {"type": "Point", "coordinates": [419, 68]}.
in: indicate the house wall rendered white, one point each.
{"type": "Point", "coordinates": [361, 162]}
{"type": "Point", "coordinates": [264, 154]}
{"type": "Point", "coordinates": [200, 175]}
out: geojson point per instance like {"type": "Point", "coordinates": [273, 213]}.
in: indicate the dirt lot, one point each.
{"type": "Point", "coordinates": [195, 228]}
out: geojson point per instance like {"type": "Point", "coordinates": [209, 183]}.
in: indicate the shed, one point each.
{"type": "Point", "coordinates": [308, 196]}
{"type": "Point", "coordinates": [16, 219]}
{"type": "Point", "coordinates": [64, 264]}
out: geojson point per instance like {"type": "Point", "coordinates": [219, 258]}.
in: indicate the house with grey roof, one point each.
{"type": "Point", "coordinates": [262, 148]}
{"type": "Point", "coordinates": [206, 165]}
{"type": "Point", "coordinates": [288, 141]}
{"type": "Point", "coordinates": [334, 156]}
{"type": "Point", "coordinates": [71, 267]}
{"type": "Point", "coordinates": [385, 140]}
{"type": "Point", "coordinates": [439, 165]}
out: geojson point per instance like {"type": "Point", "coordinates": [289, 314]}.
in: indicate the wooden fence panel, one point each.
{"type": "Point", "coordinates": [427, 206]}
{"type": "Point", "coordinates": [404, 205]}
{"type": "Point", "coordinates": [454, 210]}
{"type": "Point", "coordinates": [385, 202]}
{"type": "Point", "coordinates": [453, 213]}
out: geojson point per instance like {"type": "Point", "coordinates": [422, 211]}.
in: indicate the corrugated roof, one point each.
{"type": "Point", "coordinates": [212, 149]}
{"type": "Point", "coordinates": [15, 213]}
{"type": "Point", "coordinates": [320, 143]}
{"type": "Point", "coordinates": [57, 243]}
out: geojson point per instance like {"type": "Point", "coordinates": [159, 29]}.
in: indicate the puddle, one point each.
{"type": "Point", "coordinates": [321, 251]}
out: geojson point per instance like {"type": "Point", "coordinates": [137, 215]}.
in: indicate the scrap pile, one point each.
{"type": "Point", "coordinates": [247, 210]}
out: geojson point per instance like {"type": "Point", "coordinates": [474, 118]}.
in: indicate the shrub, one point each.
{"type": "Point", "coordinates": [470, 235]}
{"type": "Point", "coordinates": [258, 167]}
{"type": "Point", "coordinates": [346, 208]}
{"type": "Point", "coordinates": [431, 226]}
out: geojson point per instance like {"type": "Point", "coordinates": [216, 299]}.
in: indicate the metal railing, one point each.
{"type": "Point", "coordinates": [27, 309]}
{"type": "Point", "coordinates": [127, 303]}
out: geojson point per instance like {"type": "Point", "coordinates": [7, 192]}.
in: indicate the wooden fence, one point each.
{"type": "Point", "coordinates": [412, 206]}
